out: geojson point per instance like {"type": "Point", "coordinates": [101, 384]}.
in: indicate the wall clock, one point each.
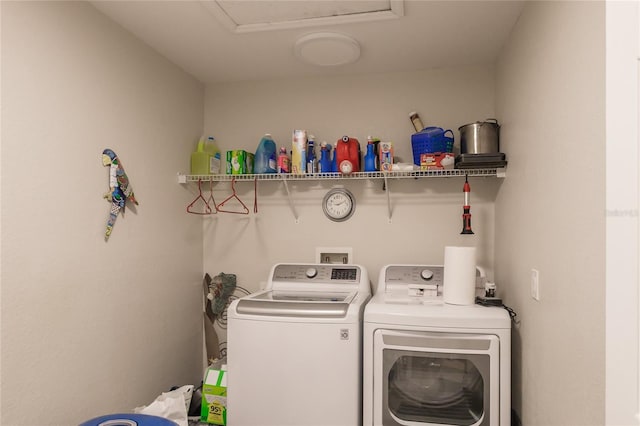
{"type": "Point", "coordinates": [339, 204]}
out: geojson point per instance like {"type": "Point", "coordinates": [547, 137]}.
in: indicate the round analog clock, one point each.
{"type": "Point", "coordinates": [339, 204]}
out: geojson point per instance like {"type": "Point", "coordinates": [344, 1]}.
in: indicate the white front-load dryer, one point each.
{"type": "Point", "coordinates": [294, 350]}
{"type": "Point", "coordinates": [426, 362]}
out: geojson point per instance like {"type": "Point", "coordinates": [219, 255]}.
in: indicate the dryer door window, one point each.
{"type": "Point", "coordinates": [436, 388]}
{"type": "Point", "coordinates": [432, 378]}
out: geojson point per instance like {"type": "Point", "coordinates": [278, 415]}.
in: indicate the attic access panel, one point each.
{"type": "Point", "coordinates": [242, 16]}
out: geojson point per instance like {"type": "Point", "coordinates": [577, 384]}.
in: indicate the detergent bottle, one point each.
{"type": "Point", "coordinates": [284, 163]}
{"type": "Point", "coordinates": [265, 160]}
{"type": "Point", "coordinates": [211, 148]}
{"type": "Point", "coordinates": [325, 165]}
{"type": "Point", "coordinates": [347, 154]}
{"type": "Point", "coordinates": [370, 156]}
{"type": "Point", "coordinates": [200, 160]}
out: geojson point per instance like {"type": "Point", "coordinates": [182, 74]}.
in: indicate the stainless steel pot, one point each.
{"type": "Point", "coordinates": [481, 137]}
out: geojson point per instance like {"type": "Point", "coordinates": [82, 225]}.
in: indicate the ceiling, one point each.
{"type": "Point", "coordinates": [219, 41]}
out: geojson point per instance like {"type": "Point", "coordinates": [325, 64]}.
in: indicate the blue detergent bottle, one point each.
{"type": "Point", "coordinates": [266, 156]}
{"type": "Point", "coordinates": [325, 159]}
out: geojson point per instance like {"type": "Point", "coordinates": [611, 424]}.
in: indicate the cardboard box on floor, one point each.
{"type": "Point", "coordinates": [214, 395]}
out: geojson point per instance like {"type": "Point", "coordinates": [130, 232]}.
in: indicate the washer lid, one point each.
{"type": "Point", "coordinates": [300, 304]}
{"type": "Point", "coordinates": [304, 296]}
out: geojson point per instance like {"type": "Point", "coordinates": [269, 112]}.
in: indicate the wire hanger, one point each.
{"type": "Point", "coordinates": [255, 195]}
{"type": "Point", "coordinates": [232, 196]}
{"type": "Point", "coordinates": [211, 201]}
{"type": "Point", "coordinates": [207, 207]}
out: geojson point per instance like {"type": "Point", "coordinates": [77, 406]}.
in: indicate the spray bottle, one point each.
{"type": "Point", "coordinates": [325, 166]}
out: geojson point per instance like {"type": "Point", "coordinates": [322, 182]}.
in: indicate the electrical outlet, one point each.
{"type": "Point", "coordinates": [535, 284]}
{"type": "Point", "coordinates": [334, 255]}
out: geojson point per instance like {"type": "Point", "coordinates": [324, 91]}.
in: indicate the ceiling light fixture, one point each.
{"type": "Point", "coordinates": [327, 49]}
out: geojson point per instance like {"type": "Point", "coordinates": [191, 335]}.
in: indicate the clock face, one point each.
{"type": "Point", "coordinates": [339, 204]}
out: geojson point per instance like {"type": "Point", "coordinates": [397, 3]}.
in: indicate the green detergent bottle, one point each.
{"type": "Point", "coordinates": [200, 160]}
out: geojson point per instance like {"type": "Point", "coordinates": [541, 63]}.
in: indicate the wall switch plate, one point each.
{"type": "Point", "coordinates": [334, 255]}
{"type": "Point", "coordinates": [535, 284]}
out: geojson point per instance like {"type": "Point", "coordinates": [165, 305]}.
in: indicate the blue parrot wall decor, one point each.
{"type": "Point", "coordinates": [120, 191]}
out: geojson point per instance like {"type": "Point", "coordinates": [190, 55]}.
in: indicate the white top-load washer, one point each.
{"type": "Point", "coordinates": [426, 362]}
{"type": "Point", "coordinates": [294, 350]}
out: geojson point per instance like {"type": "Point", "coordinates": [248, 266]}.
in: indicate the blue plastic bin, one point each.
{"type": "Point", "coordinates": [430, 140]}
{"type": "Point", "coordinates": [129, 420]}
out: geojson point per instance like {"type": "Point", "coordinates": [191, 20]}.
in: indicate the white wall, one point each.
{"type": "Point", "coordinates": [550, 212]}
{"type": "Point", "coordinates": [427, 214]}
{"type": "Point", "coordinates": [623, 85]}
{"type": "Point", "coordinates": [89, 327]}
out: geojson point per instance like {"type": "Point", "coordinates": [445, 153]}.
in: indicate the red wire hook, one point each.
{"type": "Point", "coordinates": [211, 199]}
{"type": "Point", "coordinates": [255, 195]}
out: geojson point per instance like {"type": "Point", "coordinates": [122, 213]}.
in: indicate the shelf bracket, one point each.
{"type": "Point", "coordinates": [388, 191]}
{"type": "Point", "coordinates": [291, 205]}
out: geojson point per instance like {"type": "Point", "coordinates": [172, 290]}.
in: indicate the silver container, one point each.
{"type": "Point", "coordinates": [481, 137]}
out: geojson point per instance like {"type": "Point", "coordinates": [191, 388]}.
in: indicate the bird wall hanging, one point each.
{"type": "Point", "coordinates": [120, 191]}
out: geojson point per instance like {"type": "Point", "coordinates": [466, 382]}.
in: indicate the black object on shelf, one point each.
{"type": "Point", "coordinates": [479, 161]}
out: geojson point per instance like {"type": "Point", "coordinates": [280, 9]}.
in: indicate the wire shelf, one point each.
{"type": "Point", "coordinates": [311, 177]}
{"type": "Point", "coordinates": [413, 174]}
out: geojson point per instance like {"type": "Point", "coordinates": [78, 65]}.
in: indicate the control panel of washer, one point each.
{"type": "Point", "coordinates": [317, 273]}
{"type": "Point", "coordinates": [414, 275]}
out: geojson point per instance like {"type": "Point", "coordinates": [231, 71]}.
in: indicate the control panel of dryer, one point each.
{"type": "Point", "coordinates": [414, 274]}
{"type": "Point", "coordinates": [415, 278]}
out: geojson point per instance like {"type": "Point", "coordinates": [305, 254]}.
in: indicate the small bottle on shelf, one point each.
{"type": "Point", "coordinates": [312, 162]}
{"type": "Point", "coordinates": [283, 161]}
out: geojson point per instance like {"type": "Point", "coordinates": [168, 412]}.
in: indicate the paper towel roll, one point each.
{"type": "Point", "coordinates": [459, 275]}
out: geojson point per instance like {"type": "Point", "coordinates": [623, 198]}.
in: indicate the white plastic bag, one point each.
{"type": "Point", "coordinates": [172, 405]}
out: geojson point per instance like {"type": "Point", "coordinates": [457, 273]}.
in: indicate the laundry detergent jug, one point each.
{"type": "Point", "coordinates": [347, 154]}
{"type": "Point", "coordinates": [265, 159]}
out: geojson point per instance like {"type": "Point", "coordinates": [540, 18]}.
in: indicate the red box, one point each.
{"type": "Point", "coordinates": [437, 161]}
